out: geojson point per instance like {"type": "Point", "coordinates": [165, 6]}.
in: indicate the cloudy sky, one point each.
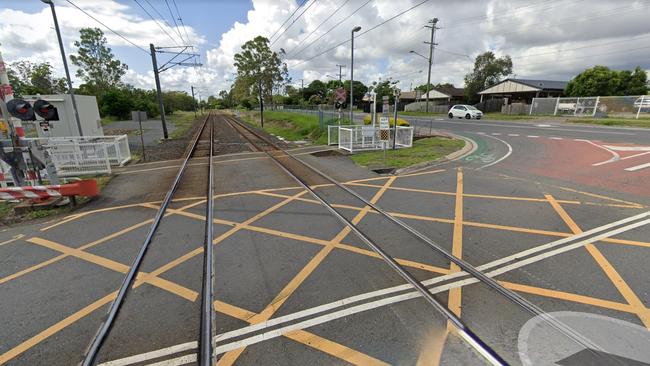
{"type": "Point", "coordinates": [547, 39]}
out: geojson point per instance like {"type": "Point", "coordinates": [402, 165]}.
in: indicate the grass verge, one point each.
{"type": "Point", "coordinates": [423, 150]}
{"type": "Point", "coordinates": [183, 121]}
{"type": "Point", "coordinates": [291, 126]}
{"type": "Point", "coordinates": [641, 122]}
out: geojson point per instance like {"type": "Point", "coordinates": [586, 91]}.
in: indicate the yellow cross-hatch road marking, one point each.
{"type": "Point", "coordinates": [230, 357]}
{"type": "Point", "coordinates": [301, 336]}
{"type": "Point", "coordinates": [617, 280]}
{"type": "Point", "coordinates": [454, 302]}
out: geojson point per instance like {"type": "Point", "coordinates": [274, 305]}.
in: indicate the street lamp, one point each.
{"type": "Point", "coordinates": [65, 65]}
{"type": "Point", "coordinates": [354, 30]}
{"type": "Point", "coordinates": [428, 77]}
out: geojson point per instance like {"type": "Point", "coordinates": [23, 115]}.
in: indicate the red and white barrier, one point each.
{"type": "Point", "coordinates": [87, 188]}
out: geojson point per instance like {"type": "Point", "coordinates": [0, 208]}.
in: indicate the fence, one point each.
{"type": "Point", "coordinates": [118, 152]}
{"type": "Point", "coordinates": [617, 107]}
{"type": "Point", "coordinates": [354, 138]}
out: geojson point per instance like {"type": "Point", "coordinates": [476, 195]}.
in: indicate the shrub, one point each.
{"type": "Point", "coordinates": [400, 121]}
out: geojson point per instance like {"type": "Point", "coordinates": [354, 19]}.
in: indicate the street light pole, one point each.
{"type": "Point", "coordinates": [355, 29]}
{"type": "Point", "coordinates": [65, 66]}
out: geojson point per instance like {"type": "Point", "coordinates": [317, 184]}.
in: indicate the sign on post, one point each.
{"type": "Point", "coordinates": [384, 129]}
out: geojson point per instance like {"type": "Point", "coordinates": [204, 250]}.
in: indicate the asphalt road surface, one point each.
{"type": "Point", "coordinates": [557, 213]}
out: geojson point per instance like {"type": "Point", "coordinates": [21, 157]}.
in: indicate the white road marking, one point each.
{"type": "Point", "coordinates": [533, 136]}
{"type": "Point", "coordinates": [638, 167]}
{"type": "Point", "coordinates": [543, 125]}
{"type": "Point", "coordinates": [555, 138]}
{"type": "Point", "coordinates": [513, 134]}
{"type": "Point", "coordinates": [500, 159]}
{"type": "Point", "coordinates": [628, 148]}
{"type": "Point", "coordinates": [13, 238]}
{"type": "Point", "coordinates": [481, 133]}
{"type": "Point", "coordinates": [183, 360]}
{"type": "Point", "coordinates": [587, 236]}
{"type": "Point", "coordinates": [615, 156]}
{"type": "Point", "coordinates": [635, 155]}
{"type": "Point", "coordinates": [496, 134]}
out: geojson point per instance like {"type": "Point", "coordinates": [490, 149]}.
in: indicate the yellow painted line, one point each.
{"type": "Point", "coordinates": [627, 242]}
{"type": "Point", "coordinates": [332, 348]}
{"type": "Point", "coordinates": [637, 205]}
{"type": "Point", "coordinates": [423, 173]}
{"type": "Point", "coordinates": [57, 327]}
{"type": "Point", "coordinates": [174, 288]}
{"type": "Point", "coordinates": [617, 280]}
{"type": "Point", "coordinates": [569, 297]}
{"type": "Point", "coordinates": [230, 357]}
{"type": "Point", "coordinates": [301, 336]}
{"type": "Point", "coordinates": [455, 295]}
{"type": "Point", "coordinates": [13, 239]}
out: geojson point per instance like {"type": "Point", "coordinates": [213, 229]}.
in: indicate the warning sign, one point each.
{"type": "Point", "coordinates": [384, 128]}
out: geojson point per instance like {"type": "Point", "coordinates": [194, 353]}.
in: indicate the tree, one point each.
{"type": "Point", "coordinates": [315, 88]}
{"type": "Point", "coordinates": [116, 102]}
{"type": "Point", "coordinates": [600, 80]}
{"type": "Point", "coordinates": [385, 88]}
{"type": "Point", "coordinates": [488, 70]}
{"type": "Point", "coordinates": [260, 68]}
{"type": "Point", "coordinates": [97, 64]}
{"type": "Point", "coordinates": [34, 78]}
{"type": "Point", "coordinates": [359, 91]}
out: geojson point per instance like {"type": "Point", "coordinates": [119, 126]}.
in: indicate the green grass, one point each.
{"type": "Point", "coordinates": [5, 209]}
{"type": "Point", "coordinates": [641, 122]}
{"type": "Point", "coordinates": [183, 121]}
{"type": "Point", "coordinates": [423, 150]}
{"type": "Point", "coordinates": [107, 120]}
{"type": "Point", "coordinates": [292, 126]}
{"type": "Point", "coordinates": [418, 113]}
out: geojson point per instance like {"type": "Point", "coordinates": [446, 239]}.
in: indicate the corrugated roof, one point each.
{"type": "Point", "coordinates": [542, 84]}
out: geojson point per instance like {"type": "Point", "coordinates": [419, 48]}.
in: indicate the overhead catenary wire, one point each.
{"type": "Point", "coordinates": [107, 27]}
{"type": "Point", "coordinates": [174, 20]}
{"type": "Point", "coordinates": [362, 33]}
{"type": "Point", "coordinates": [332, 28]}
{"type": "Point", "coordinates": [319, 25]}
{"type": "Point", "coordinates": [293, 22]}
{"type": "Point", "coordinates": [286, 20]}
{"type": "Point", "coordinates": [156, 21]}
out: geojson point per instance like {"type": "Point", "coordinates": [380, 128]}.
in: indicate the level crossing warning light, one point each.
{"type": "Point", "coordinates": [21, 109]}
{"type": "Point", "coordinates": [46, 110]}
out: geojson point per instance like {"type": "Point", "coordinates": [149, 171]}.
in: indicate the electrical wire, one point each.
{"type": "Point", "coordinates": [293, 22]}
{"type": "Point", "coordinates": [318, 26]}
{"type": "Point", "coordinates": [362, 33]}
{"type": "Point", "coordinates": [286, 20]}
{"type": "Point", "coordinates": [107, 27]}
{"type": "Point", "coordinates": [332, 28]}
{"type": "Point", "coordinates": [174, 20]}
{"type": "Point", "coordinates": [157, 23]}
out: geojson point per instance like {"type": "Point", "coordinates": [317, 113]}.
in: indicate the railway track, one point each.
{"type": "Point", "coordinates": [310, 178]}
{"type": "Point", "coordinates": [327, 191]}
{"type": "Point", "coordinates": [201, 146]}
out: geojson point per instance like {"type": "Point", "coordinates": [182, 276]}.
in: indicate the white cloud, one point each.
{"type": "Point", "coordinates": [548, 39]}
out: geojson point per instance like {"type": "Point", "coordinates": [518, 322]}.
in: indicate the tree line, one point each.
{"type": "Point", "coordinates": [102, 74]}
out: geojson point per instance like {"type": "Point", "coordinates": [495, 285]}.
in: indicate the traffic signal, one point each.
{"type": "Point", "coordinates": [21, 109]}
{"type": "Point", "coordinates": [46, 110]}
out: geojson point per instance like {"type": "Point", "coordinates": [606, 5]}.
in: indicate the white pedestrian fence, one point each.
{"type": "Point", "coordinates": [77, 156]}
{"type": "Point", "coordinates": [355, 138]}
{"type": "Point", "coordinates": [617, 106]}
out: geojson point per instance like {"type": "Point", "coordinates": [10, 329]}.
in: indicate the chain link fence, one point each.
{"type": "Point", "coordinates": [600, 107]}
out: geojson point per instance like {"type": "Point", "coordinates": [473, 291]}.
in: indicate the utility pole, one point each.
{"type": "Point", "coordinates": [161, 107]}
{"type": "Point", "coordinates": [433, 27]}
{"type": "Point", "coordinates": [193, 100]}
{"type": "Point", "coordinates": [340, 72]}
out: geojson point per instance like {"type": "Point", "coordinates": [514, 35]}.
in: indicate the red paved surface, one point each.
{"type": "Point", "coordinates": [573, 161]}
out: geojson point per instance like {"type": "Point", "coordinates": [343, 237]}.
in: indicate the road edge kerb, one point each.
{"type": "Point", "coordinates": [469, 148]}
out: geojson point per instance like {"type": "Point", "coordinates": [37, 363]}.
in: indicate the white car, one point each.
{"type": "Point", "coordinates": [465, 111]}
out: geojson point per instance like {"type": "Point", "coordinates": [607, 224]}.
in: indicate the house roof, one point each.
{"type": "Point", "coordinates": [451, 91]}
{"type": "Point", "coordinates": [409, 95]}
{"type": "Point", "coordinates": [524, 85]}
{"type": "Point", "coordinates": [542, 84]}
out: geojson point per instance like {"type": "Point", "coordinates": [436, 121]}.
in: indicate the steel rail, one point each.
{"type": "Point", "coordinates": [95, 345]}
{"type": "Point", "coordinates": [464, 265]}
{"type": "Point", "coordinates": [206, 354]}
{"type": "Point", "coordinates": [464, 331]}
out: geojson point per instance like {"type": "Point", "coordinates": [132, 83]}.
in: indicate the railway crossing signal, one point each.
{"type": "Point", "coordinates": [21, 109]}
{"type": "Point", "coordinates": [46, 110]}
